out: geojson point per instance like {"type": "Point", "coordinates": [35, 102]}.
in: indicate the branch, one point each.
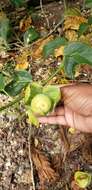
{"type": "Point", "coordinates": [44, 14]}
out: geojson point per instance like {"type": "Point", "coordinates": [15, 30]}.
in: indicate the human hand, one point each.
{"type": "Point", "coordinates": [77, 109]}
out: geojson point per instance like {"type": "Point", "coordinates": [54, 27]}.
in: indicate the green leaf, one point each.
{"type": "Point", "coordinates": [88, 3]}
{"type": "Point", "coordinates": [53, 92]}
{"type": "Point", "coordinates": [32, 118]}
{"type": "Point", "coordinates": [2, 82]}
{"type": "Point", "coordinates": [36, 88]}
{"type": "Point", "coordinates": [69, 66]}
{"type": "Point", "coordinates": [74, 54]}
{"type": "Point", "coordinates": [83, 28]}
{"type": "Point", "coordinates": [23, 75]}
{"type": "Point", "coordinates": [82, 179]}
{"type": "Point", "coordinates": [30, 35]}
{"type": "Point", "coordinates": [79, 50]}
{"type": "Point", "coordinates": [18, 3]}
{"type": "Point", "coordinates": [27, 94]}
{"type": "Point", "coordinates": [4, 29]}
{"type": "Point", "coordinates": [90, 20]}
{"type": "Point", "coordinates": [20, 80]}
{"type": "Point", "coordinates": [49, 48]}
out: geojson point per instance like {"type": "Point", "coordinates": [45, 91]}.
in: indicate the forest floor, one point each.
{"type": "Point", "coordinates": [47, 157]}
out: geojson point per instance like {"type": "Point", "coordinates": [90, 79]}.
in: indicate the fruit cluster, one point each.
{"type": "Point", "coordinates": [41, 100]}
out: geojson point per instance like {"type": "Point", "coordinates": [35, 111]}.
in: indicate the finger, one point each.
{"type": "Point", "coordinates": [66, 85]}
{"type": "Point", "coordinates": [81, 123]}
{"type": "Point", "coordinates": [78, 121]}
{"type": "Point", "coordinates": [57, 112]}
{"type": "Point", "coordinates": [59, 120]}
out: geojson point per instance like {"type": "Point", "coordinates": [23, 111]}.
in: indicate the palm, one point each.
{"type": "Point", "coordinates": [77, 110]}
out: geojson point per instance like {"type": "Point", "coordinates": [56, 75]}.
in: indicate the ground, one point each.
{"type": "Point", "coordinates": [44, 158]}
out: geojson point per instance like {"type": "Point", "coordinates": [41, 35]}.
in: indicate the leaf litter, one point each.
{"type": "Point", "coordinates": [56, 154]}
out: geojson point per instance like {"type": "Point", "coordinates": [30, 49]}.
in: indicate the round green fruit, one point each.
{"type": "Point", "coordinates": [82, 179]}
{"type": "Point", "coordinates": [41, 104]}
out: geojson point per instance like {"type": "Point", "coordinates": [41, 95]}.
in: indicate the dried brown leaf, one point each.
{"type": "Point", "coordinates": [45, 172]}
{"type": "Point", "coordinates": [37, 51]}
{"type": "Point", "coordinates": [25, 23]}
{"type": "Point", "coordinates": [87, 149]}
{"type": "Point", "coordinates": [57, 162]}
{"type": "Point", "coordinates": [76, 140]}
{"type": "Point", "coordinates": [64, 142]}
{"type": "Point", "coordinates": [73, 22]}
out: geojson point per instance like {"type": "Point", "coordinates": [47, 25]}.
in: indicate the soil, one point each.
{"type": "Point", "coordinates": [62, 153]}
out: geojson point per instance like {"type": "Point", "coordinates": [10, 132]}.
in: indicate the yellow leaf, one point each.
{"type": "Point", "coordinates": [32, 118]}
{"type": "Point", "coordinates": [59, 52]}
{"type": "Point", "coordinates": [73, 22]}
{"type": "Point", "coordinates": [86, 38]}
{"type": "Point", "coordinates": [72, 130]}
{"type": "Point", "coordinates": [22, 60]}
{"type": "Point", "coordinates": [37, 51]}
{"type": "Point", "coordinates": [71, 35]}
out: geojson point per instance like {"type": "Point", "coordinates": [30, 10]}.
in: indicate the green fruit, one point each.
{"type": "Point", "coordinates": [82, 179]}
{"type": "Point", "coordinates": [30, 35]}
{"type": "Point", "coordinates": [53, 92]}
{"type": "Point", "coordinates": [41, 104]}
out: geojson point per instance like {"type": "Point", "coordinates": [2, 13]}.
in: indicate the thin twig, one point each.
{"type": "Point", "coordinates": [18, 38]}
{"type": "Point", "coordinates": [83, 7]}
{"type": "Point", "coordinates": [11, 103]}
{"type": "Point", "coordinates": [54, 29]}
{"type": "Point", "coordinates": [47, 21]}
{"type": "Point", "coordinates": [30, 159]}
{"type": "Point", "coordinates": [50, 33]}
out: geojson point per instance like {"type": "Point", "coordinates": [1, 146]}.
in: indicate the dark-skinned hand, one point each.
{"type": "Point", "coordinates": [77, 109]}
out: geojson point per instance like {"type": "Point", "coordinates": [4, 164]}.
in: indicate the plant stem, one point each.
{"type": "Point", "coordinates": [5, 93]}
{"type": "Point", "coordinates": [65, 4]}
{"type": "Point", "coordinates": [11, 103]}
{"type": "Point", "coordinates": [55, 73]}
